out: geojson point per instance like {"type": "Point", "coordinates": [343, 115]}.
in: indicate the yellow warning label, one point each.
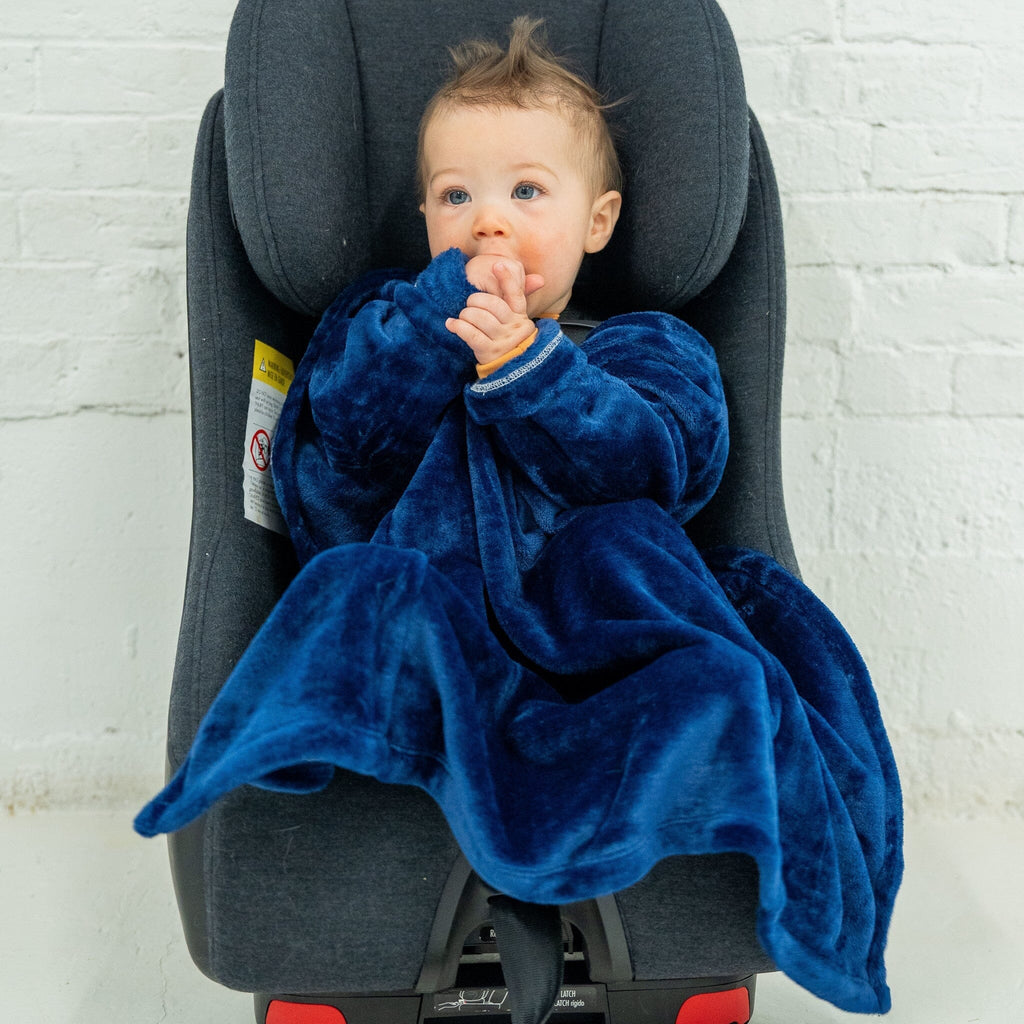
{"type": "Point", "coordinates": [272, 374]}
{"type": "Point", "coordinates": [271, 367]}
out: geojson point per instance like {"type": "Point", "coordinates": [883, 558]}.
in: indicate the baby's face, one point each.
{"type": "Point", "coordinates": [509, 182]}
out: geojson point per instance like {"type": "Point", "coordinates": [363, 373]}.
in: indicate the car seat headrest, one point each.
{"type": "Point", "coordinates": [322, 101]}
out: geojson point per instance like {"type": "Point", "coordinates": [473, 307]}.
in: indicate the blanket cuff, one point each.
{"type": "Point", "coordinates": [444, 283]}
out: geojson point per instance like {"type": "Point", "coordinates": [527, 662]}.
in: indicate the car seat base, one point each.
{"type": "Point", "coordinates": [696, 1001]}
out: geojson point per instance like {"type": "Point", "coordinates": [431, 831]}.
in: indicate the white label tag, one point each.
{"type": "Point", "coordinates": [272, 374]}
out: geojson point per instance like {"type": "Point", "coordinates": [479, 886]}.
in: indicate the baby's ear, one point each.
{"type": "Point", "coordinates": [604, 215]}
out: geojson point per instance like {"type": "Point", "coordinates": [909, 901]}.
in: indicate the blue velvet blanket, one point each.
{"type": "Point", "coordinates": [498, 603]}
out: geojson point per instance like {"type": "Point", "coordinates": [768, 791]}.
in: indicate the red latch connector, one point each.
{"type": "Point", "coordinates": [280, 1012]}
{"type": "Point", "coordinates": [729, 1007]}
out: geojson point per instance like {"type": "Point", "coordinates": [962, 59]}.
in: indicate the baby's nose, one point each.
{"type": "Point", "coordinates": [489, 223]}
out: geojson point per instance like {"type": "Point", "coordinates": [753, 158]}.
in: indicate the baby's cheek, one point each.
{"type": "Point", "coordinates": [543, 255]}
{"type": "Point", "coordinates": [529, 256]}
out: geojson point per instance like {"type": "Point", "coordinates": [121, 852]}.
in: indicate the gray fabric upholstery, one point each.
{"type": "Point", "coordinates": [743, 315]}
{"type": "Point", "coordinates": [323, 98]}
{"type": "Point", "coordinates": [331, 892]}
{"type": "Point", "coordinates": [697, 911]}
{"type": "Point", "coordinates": [227, 309]}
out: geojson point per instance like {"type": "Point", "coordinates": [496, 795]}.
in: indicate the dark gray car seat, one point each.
{"type": "Point", "coordinates": [355, 903]}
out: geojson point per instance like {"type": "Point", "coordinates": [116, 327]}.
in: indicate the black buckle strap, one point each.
{"type": "Point", "coordinates": [530, 944]}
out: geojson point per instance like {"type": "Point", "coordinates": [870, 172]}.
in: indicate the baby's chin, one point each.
{"type": "Point", "coordinates": [542, 309]}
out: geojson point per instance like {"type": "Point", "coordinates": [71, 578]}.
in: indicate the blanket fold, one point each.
{"type": "Point", "coordinates": [498, 604]}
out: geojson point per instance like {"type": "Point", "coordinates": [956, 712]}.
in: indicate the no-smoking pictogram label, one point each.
{"type": "Point", "coordinates": [259, 449]}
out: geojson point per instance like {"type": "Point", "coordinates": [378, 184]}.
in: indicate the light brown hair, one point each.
{"type": "Point", "coordinates": [529, 76]}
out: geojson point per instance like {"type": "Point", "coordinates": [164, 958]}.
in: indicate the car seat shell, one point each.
{"type": "Point", "coordinates": [343, 891]}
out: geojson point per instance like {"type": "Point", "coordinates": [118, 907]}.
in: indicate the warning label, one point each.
{"type": "Point", "coordinates": [272, 374]}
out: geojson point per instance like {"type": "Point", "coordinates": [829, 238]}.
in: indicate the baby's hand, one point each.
{"type": "Point", "coordinates": [494, 320]}
{"type": "Point", "coordinates": [480, 272]}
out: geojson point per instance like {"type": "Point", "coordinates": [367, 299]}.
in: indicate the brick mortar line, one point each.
{"type": "Point", "coordinates": [204, 43]}
{"type": "Point", "coordinates": [107, 410]}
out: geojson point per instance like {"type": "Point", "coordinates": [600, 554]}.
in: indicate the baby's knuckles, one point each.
{"type": "Point", "coordinates": [501, 339]}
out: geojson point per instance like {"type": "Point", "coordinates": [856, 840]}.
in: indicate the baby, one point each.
{"type": "Point", "coordinates": [518, 171]}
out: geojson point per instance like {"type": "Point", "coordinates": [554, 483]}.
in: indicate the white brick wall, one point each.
{"type": "Point", "coordinates": [897, 131]}
{"type": "Point", "coordinates": [99, 105]}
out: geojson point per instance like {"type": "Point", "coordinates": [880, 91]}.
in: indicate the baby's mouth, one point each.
{"type": "Point", "coordinates": [497, 253]}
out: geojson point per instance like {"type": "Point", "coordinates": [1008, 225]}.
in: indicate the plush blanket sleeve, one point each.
{"type": "Point", "coordinates": [529, 635]}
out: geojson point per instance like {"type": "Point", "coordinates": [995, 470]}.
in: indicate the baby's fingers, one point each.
{"type": "Point", "coordinates": [512, 283]}
{"type": "Point", "coordinates": [478, 329]}
{"type": "Point", "coordinates": [481, 317]}
{"type": "Point", "coordinates": [493, 304]}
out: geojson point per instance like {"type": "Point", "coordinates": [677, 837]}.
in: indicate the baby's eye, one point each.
{"type": "Point", "coordinates": [455, 196]}
{"type": "Point", "coordinates": [524, 190]}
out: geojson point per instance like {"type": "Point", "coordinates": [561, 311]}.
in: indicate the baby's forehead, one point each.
{"type": "Point", "coordinates": [579, 138]}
